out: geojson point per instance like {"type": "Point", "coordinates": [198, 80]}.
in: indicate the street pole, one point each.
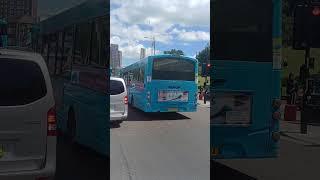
{"type": "Point", "coordinates": [304, 117]}
{"type": "Point", "coordinates": [154, 45]}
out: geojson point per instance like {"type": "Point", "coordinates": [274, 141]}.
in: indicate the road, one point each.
{"type": "Point", "coordinates": [81, 163]}
{"type": "Point", "coordinates": [157, 146]}
{"type": "Point", "coordinates": [296, 161]}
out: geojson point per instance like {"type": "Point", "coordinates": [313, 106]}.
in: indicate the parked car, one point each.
{"type": "Point", "coordinates": [118, 99]}
{"type": "Point", "coordinates": [27, 117]}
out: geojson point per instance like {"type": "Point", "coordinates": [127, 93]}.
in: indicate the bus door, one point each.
{"type": "Point", "coordinates": [241, 111]}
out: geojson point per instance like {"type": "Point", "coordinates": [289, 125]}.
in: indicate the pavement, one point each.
{"type": "Point", "coordinates": [291, 129]}
{"type": "Point", "coordinates": [201, 103]}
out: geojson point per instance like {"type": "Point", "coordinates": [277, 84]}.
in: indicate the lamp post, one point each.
{"type": "Point", "coordinates": [153, 43]}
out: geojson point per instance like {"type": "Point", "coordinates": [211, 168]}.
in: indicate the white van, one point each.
{"type": "Point", "coordinates": [118, 99]}
{"type": "Point", "coordinates": [27, 117]}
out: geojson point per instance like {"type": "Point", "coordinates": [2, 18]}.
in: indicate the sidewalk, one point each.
{"type": "Point", "coordinates": [292, 130]}
{"type": "Point", "coordinates": [201, 103]}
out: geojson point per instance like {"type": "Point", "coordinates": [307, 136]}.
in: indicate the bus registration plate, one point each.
{"type": "Point", "coordinates": [173, 96]}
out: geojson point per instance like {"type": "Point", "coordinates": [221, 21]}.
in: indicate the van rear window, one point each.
{"type": "Point", "coordinates": [116, 87]}
{"type": "Point", "coordinates": [21, 82]}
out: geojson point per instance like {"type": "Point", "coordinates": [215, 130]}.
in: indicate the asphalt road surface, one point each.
{"type": "Point", "coordinates": [80, 163]}
{"type": "Point", "coordinates": [158, 146]}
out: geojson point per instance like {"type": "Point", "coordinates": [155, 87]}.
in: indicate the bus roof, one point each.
{"type": "Point", "coordinates": [158, 56]}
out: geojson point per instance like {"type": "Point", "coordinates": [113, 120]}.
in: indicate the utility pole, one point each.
{"type": "Point", "coordinates": [154, 45]}
{"type": "Point", "coordinates": [304, 117]}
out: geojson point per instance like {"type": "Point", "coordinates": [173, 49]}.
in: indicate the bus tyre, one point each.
{"type": "Point", "coordinates": [71, 126]}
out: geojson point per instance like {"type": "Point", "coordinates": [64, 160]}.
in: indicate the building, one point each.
{"type": "Point", "coordinates": [142, 53]}
{"type": "Point", "coordinates": [115, 59]}
{"type": "Point", "coordinates": [20, 15]}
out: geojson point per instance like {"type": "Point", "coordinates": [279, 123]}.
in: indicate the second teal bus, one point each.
{"type": "Point", "coordinates": [163, 83]}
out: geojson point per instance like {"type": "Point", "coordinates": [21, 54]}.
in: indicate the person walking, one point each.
{"type": "Point", "coordinates": [291, 88]}
{"type": "Point", "coordinates": [205, 95]}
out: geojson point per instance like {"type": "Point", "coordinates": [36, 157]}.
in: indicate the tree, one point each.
{"type": "Point", "coordinates": [204, 55]}
{"type": "Point", "coordinates": [174, 52]}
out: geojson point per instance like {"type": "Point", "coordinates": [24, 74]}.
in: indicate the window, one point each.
{"type": "Point", "coordinates": [116, 87]}
{"type": "Point", "coordinates": [173, 69]}
{"type": "Point", "coordinates": [22, 82]}
{"type": "Point", "coordinates": [242, 30]}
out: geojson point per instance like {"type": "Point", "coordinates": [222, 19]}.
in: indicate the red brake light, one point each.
{"type": "Point", "coordinates": [126, 100]}
{"type": "Point", "coordinates": [316, 11]}
{"type": "Point", "coordinates": [52, 122]}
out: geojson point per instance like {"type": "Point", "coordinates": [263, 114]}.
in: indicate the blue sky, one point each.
{"type": "Point", "coordinates": [176, 24]}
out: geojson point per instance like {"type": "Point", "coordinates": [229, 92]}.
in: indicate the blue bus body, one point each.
{"type": "Point", "coordinates": [246, 91]}
{"type": "Point", "coordinates": [3, 34]}
{"type": "Point", "coordinates": [85, 95]}
{"type": "Point", "coordinates": [152, 93]}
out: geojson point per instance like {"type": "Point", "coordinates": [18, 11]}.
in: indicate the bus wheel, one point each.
{"type": "Point", "coordinates": [71, 126]}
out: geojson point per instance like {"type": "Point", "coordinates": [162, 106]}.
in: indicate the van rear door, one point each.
{"type": "Point", "coordinates": [24, 104]}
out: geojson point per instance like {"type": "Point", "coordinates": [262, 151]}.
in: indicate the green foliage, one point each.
{"type": "Point", "coordinates": [174, 52]}
{"type": "Point", "coordinates": [204, 55]}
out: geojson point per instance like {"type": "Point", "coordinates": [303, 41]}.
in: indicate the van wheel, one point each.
{"type": "Point", "coordinates": [71, 126]}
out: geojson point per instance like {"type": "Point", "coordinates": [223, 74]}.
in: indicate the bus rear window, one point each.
{"type": "Point", "coordinates": [22, 82]}
{"type": "Point", "coordinates": [242, 30]}
{"type": "Point", "coordinates": [173, 69]}
{"type": "Point", "coordinates": [116, 87]}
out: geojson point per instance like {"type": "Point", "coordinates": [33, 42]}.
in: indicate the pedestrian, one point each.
{"type": "Point", "coordinates": [205, 95]}
{"type": "Point", "coordinates": [290, 88]}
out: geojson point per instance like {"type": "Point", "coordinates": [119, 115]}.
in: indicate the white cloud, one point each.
{"type": "Point", "coordinates": [132, 21]}
{"type": "Point", "coordinates": [191, 35]}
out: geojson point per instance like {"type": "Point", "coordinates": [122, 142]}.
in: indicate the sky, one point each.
{"type": "Point", "coordinates": [175, 24]}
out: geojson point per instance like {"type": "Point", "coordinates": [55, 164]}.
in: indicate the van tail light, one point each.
{"type": "Point", "coordinates": [51, 122]}
{"type": "Point", "coordinates": [126, 100]}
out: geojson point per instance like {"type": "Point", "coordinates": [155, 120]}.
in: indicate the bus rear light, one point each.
{"type": "Point", "coordinates": [276, 115]}
{"type": "Point", "coordinates": [276, 136]}
{"type": "Point", "coordinates": [276, 104]}
{"type": "Point", "coordinates": [125, 100]}
{"type": "Point", "coordinates": [51, 122]}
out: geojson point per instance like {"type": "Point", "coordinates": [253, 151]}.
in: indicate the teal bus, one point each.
{"type": "Point", "coordinates": [3, 33]}
{"type": "Point", "coordinates": [246, 67]}
{"type": "Point", "coordinates": [84, 114]}
{"type": "Point", "coordinates": [162, 83]}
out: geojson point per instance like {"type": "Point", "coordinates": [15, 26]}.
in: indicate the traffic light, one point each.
{"type": "Point", "coordinates": [205, 69]}
{"type": "Point", "coordinates": [306, 26]}
{"type": "Point", "coordinates": [208, 70]}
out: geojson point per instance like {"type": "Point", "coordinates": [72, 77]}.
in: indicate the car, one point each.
{"type": "Point", "coordinates": [118, 100]}
{"type": "Point", "coordinates": [28, 135]}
